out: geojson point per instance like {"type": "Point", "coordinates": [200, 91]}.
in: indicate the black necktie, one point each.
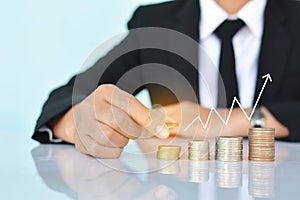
{"type": "Point", "coordinates": [225, 33]}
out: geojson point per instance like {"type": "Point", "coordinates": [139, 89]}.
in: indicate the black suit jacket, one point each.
{"type": "Point", "coordinates": [279, 56]}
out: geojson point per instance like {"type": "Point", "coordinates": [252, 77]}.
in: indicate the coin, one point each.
{"type": "Point", "coordinates": [261, 144]}
{"type": "Point", "coordinates": [198, 150]}
{"type": "Point", "coordinates": [172, 125]}
{"type": "Point", "coordinates": [229, 148]}
{"type": "Point", "coordinates": [168, 152]}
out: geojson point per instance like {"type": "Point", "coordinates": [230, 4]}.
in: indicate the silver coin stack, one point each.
{"type": "Point", "coordinates": [198, 150]}
{"type": "Point", "coordinates": [229, 148]}
{"type": "Point", "coordinates": [261, 144]}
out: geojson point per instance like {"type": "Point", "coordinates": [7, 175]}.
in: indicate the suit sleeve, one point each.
{"type": "Point", "coordinates": [106, 70]}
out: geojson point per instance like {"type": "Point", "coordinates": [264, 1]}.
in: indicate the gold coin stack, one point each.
{"type": "Point", "coordinates": [198, 150]}
{"type": "Point", "coordinates": [261, 144]}
{"type": "Point", "coordinates": [229, 149]}
{"type": "Point", "coordinates": [168, 152]}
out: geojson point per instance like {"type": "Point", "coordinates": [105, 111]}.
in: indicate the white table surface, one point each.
{"type": "Point", "coordinates": [32, 171]}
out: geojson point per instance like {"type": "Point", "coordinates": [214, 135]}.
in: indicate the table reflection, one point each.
{"type": "Point", "coordinates": [198, 171]}
{"type": "Point", "coordinates": [64, 169]}
{"type": "Point", "coordinates": [261, 179]}
{"type": "Point", "coordinates": [229, 174]}
{"type": "Point", "coordinates": [169, 167]}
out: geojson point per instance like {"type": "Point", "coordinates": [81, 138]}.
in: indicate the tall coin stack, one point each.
{"type": "Point", "coordinates": [229, 148]}
{"type": "Point", "coordinates": [168, 152]}
{"type": "Point", "coordinates": [198, 150]}
{"type": "Point", "coordinates": [261, 144]}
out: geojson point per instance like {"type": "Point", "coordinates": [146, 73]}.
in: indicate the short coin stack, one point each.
{"type": "Point", "coordinates": [198, 150]}
{"type": "Point", "coordinates": [261, 144]}
{"type": "Point", "coordinates": [168, 152]}
{"type": "Point", "coordinates": [229, 149]}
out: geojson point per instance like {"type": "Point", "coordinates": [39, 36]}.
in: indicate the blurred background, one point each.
{"type": "Point", "coordinates": [44, 43]}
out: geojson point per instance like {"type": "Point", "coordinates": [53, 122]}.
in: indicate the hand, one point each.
{"type": "Point", "coordinates": [102, 124]}
{"type": "Point", "coordinates": [187, 115]}
{"type": "Point", "coordinates": [184, 113]}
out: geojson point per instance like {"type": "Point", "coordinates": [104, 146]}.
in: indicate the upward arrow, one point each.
{"type": "Point", "coordinates": [235, 100]}
{"type": "Point", "coordinates": [268, 78]}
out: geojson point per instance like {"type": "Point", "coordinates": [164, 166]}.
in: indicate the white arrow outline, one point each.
{"type": "Point", "coordinates": [235, 100]}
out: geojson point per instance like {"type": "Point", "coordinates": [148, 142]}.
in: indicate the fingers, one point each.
{"type": "Point", "coordinates": [109, 137]}
{"type": "Point", "coordinates": [152, 120]}
{"type": "Point", "coordinates": [118, 120]}
{"type": "Point", "coordinates": [127, 103]}
{"type": "Point", "coordinates": [157, 125]}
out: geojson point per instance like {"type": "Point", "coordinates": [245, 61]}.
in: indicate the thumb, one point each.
{"type": "Point", "coordinates": [150, 119]}
{"type": "Point", "coordinates": [153, 120]}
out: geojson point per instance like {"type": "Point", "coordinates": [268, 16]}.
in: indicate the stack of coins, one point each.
{"type": "Point", "coordinates": [229, 174]}
{"type": "Point", "coordinates": [229, 149]}
{"type": "Point", "coordinates": [261, 179]}
{"type": "Point", "coordinates": [261, 144]}
{"type": "Point", "coordinates": [198, 150]}
{"type": "Point", "coordinates": [168, 152]}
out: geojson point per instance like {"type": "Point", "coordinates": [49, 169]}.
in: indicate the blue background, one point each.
{"type": "Point", "coordinates": [43, 43]}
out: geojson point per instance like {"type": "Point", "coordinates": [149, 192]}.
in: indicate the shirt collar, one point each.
{"type": "Point", "coordinates": [212, 15]}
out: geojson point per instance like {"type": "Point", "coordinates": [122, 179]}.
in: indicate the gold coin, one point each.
{"type": "Point", "coordinates": [172, 125]}
{"type": "Point", "coordinates": [168, 152]}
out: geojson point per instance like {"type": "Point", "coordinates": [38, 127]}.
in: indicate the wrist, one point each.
{"type": "Point", "coordinates": [281, 131]}
{"type": "Point", "coordinates": [238, 124]}
{"type": "Point", "coordinates": [64, 127]}
{"type": "Point", "coordinates": [258, 118]}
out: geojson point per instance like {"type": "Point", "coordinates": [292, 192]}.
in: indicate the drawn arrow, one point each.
{"type": "Point", "coordinates": [235, 100]}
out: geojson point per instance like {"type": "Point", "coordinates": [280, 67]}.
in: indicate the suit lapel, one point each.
{"type": "Point", "coordinates": [274, 51]}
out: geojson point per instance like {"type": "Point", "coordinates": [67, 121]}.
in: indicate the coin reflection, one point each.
{"type": "Point", "coordinates": [168, 166]}
{"type": "Point", "coordinates": [198, 171]}
{"type": "Point", "coordinates": [261, 179]}
{"type": "Point", "coordinates": [228, 174]}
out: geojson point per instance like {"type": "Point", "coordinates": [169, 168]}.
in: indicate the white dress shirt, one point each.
{"type": "Point", "coordinates": [246, 44]}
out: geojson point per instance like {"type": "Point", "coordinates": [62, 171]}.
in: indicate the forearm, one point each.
{"type": "Point", "coordinates": [239, 125]}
